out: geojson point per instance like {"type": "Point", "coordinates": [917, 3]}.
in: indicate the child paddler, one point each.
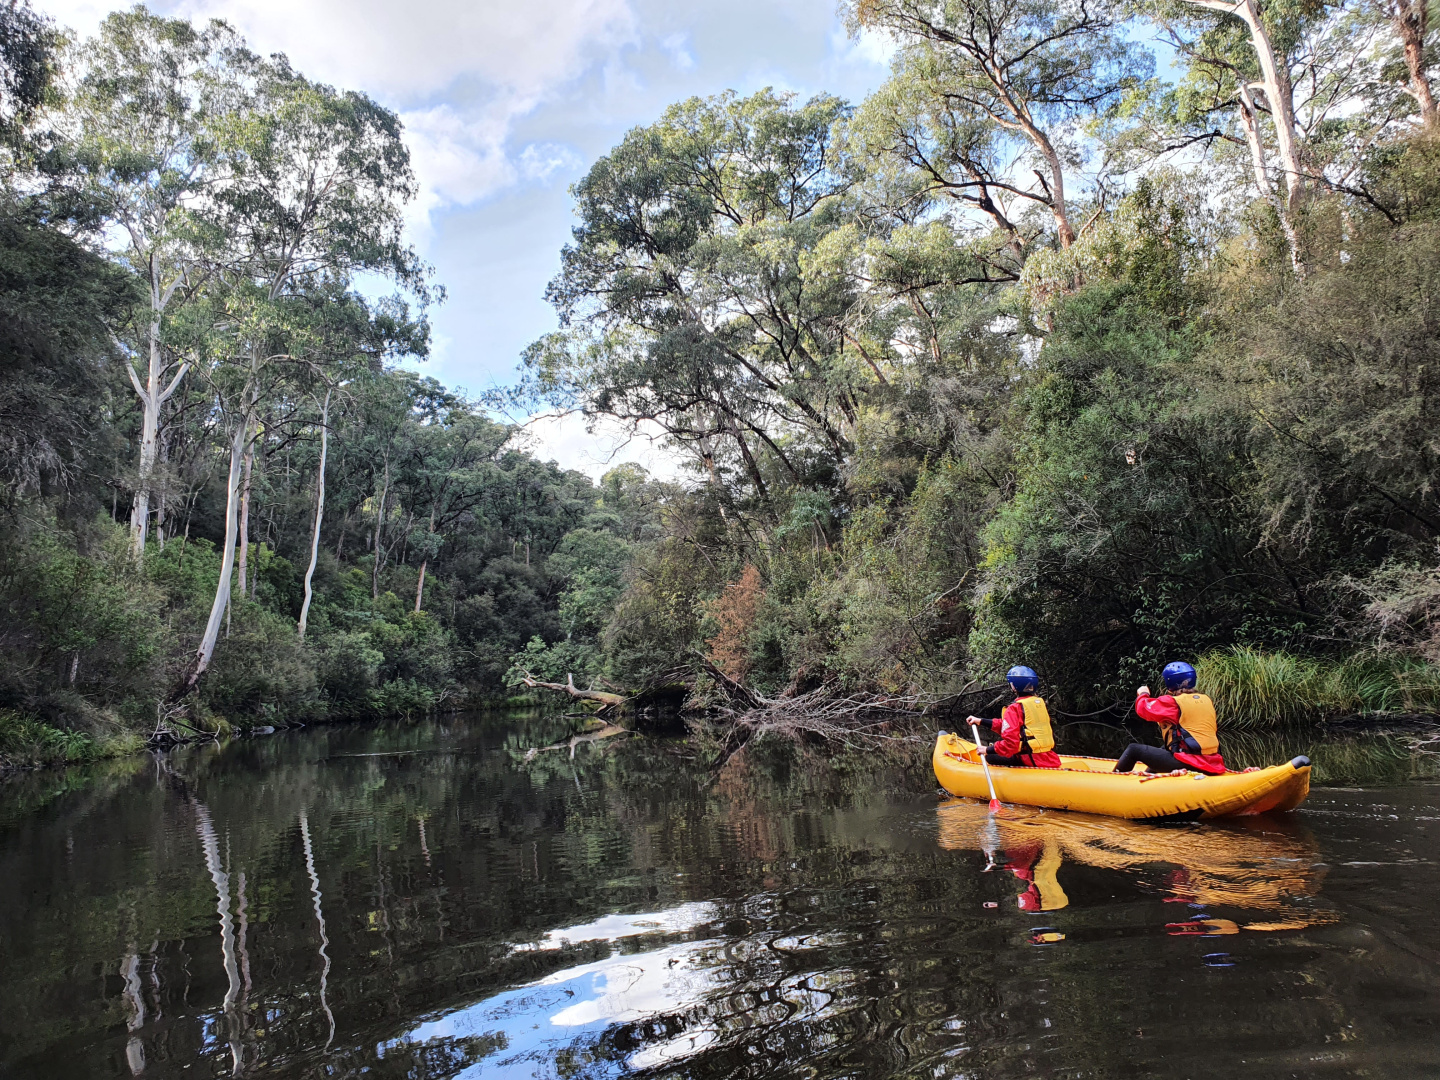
{"type": "Point", "coordinates": [1024, 727]}
{"type": "Point", "coordinates": [1187, 727]}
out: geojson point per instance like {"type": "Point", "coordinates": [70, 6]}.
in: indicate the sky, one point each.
{"type": "Point", "coordinates": [506, 103]}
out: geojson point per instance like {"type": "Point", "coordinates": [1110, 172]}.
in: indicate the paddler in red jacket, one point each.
{"type": "Point", "coordinates": [1024, 727]}
{"type": "Point", "coordinates": [1187, 727]}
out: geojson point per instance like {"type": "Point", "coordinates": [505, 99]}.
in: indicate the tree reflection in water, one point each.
{"type": "Point", "coordinates": [489, 911]}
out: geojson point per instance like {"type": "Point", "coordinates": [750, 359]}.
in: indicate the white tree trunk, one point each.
{"type": "Point", "coordinates": [425, 562]}
{"type": "Point", "coordinates": [379, 526]}
{"type": "Point", "coordinates": [152, 398]}
{"type": "Point", "coordinates": [319, 513]}
{"type": "Point", "coordinates": [1279, 93]}
{"type": "Point", "coordinates": [1267, 190]}
{"type": "Point", "coordinates": [150, 403]}
{"type": "Point", "coordinates": [242, 558]}
{"type": "Point", "coordinates": [206, 651]}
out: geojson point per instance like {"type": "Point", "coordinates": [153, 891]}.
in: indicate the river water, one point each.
{"type": "Point", "coordinates": [428, 901]}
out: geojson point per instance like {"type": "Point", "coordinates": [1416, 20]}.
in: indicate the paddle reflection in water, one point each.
{"type": "Point", "coordinates": [1255, 865]}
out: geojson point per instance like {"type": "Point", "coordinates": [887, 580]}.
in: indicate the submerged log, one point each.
{"type": "Point", "coordinates": [809, 708]}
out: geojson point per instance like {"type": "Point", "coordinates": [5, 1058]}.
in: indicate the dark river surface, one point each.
{"type": "Point", "coordinates": [422, 901]}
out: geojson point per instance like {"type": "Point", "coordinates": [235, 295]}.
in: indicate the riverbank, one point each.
{"type": "Point", "coordinates": [27, 742]}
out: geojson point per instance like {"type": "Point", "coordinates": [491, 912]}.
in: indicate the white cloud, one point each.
{"type": "Point", "coordinates": [678, 46]}
{"type": "Point", "coordinates": [869, 49]}
{"type": "Point", "coordinates": [410, 51]}
{"type": "Point", "coordinates": [540, 161]}
{"type": "Point", "coordinates": [598, 449]}
{"type": "Point", "coordinates": [460, 73]}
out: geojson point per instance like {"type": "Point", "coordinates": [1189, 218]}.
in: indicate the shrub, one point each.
{"type": "Point", "coordinates": [264, 670]}
{"type": "Point", "coordinates": [734, 612]}
{"type": "Point", "coordinates": [26, 741]}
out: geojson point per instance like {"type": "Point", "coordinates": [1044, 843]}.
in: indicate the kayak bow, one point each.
{"type": "Point", "coordinates": [1088, 785]}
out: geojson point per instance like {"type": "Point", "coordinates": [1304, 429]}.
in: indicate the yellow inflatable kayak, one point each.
{"type": "Point", "coordinates": [1088, 785]}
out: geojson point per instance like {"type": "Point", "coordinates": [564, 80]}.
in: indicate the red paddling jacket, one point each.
{"type": "Point", "coordinates": [1024, 729]}
{"type": "Point", "coordinates": [1187, 728]}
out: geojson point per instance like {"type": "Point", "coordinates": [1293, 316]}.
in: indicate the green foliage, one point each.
{"type": "Point", "coordinates": [1258, 689]}
{"type": "Point", "coordinates": [78, 618]}
{"type": "Point", "coordinates": [555, 662]}
{"type": "Point", "coordinates": [26, 741]}
{"type": "Point", "coordinates": [940, 418]}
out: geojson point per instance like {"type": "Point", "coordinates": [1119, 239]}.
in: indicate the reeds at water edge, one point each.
{"type": "Point", "coordinates": [1254, 689]}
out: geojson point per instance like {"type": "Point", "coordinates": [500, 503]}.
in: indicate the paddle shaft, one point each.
{"type": "Point", "coordinates": [980, 753]}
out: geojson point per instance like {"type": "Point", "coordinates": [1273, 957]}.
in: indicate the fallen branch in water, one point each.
{"type": "Point", "coordinates": [607, 700]}
{"type": "Point", "coordinates": [827, 712]}
{"type": "Point", "coordinates": [824, 712]}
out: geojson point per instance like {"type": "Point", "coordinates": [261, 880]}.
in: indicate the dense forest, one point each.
{"type": "Point", "coordinates": [1041, 353]}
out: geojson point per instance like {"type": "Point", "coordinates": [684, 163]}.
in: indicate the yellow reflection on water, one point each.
{"type": "Point", "coordinates": [1262, 865]}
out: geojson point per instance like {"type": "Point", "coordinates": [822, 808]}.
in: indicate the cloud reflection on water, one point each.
{"type": "Point", "coordinates": [624, 987]}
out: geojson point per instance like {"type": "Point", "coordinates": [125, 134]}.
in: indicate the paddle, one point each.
{"type": "Point", "coordinates": [980, 752]}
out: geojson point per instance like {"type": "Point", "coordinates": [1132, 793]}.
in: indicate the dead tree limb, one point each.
{"type": "Point", "coordinates": [568, 687]}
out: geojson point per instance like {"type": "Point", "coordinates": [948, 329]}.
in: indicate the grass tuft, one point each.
{"type": "Point", "coordinates": [1254, 689]}
{"type": "Point", "coordinates": [25, 741]}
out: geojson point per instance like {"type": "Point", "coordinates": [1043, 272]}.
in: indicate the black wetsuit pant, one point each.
{"type": "Point", "coordinates": [1156, 759]}
{"type": "Point", "coordinates": [1013, 759]}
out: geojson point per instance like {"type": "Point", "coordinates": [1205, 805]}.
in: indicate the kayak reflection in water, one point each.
{"type": "Point", "coordinates": [1265, 866]}
{"type": "Point", "coordinates": [1187, 727]}
{"type": "Point", "coordinates": [1026, 737]}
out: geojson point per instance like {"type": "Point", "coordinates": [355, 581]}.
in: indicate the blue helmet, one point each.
{"type": "Point", "coordinates": [1178, 676]}
{"type": "Point", "coordinates": [1022, 679]}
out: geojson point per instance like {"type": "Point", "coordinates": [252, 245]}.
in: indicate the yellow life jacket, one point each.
{"type": "Point", "coordinates": [1037, 736]}
{"type": "Point", "coordinates": [1197, 719]}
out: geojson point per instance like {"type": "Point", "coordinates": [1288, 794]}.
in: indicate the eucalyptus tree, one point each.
{"type": "Point", "coordinates": [315, 196]}
{"type": "Point", "coordinates": [1411, 20]}
{"type": "Point", "coordinates": [1309, 92]}
{"type": "Point", "coordinates": [144, 122]}
{"type": "Point", "coordinates": [686, 296]}
{"type": "Point", "coordinates": [349, 340]}
{"type": "Point", "coordinates": [449, 472]}
{"type": "Point", "coordinates": [57, 296]}
{"type": "Point", "coordinates": [989, 93]}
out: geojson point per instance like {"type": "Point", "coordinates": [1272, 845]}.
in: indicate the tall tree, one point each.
{"type": "Point", "coordinates": [991, 92]}
{"type": "Point", "coordinates": [1411, 20]}
{"type": "Point", "coordinates": [1304, 89]}
{"type": "Point", "coordinates": [687, 290]}
{"type": "Point", "coordinates": [447, 477]}
{"type": "Point", "coordinates": [315, 196]}
{"type": "Point", "coordinates": [145, 121]}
